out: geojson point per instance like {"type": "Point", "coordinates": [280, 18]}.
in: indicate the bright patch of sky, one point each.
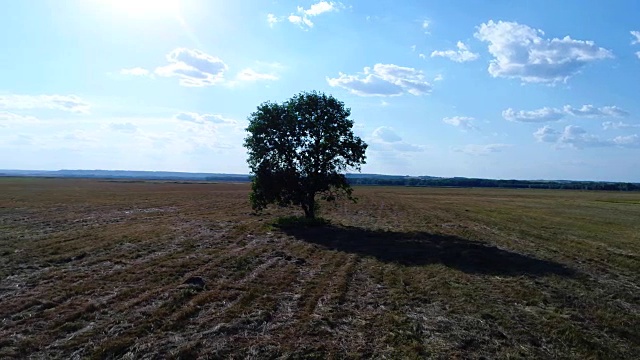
{"type": "Point", "coordinates": [500, 89]}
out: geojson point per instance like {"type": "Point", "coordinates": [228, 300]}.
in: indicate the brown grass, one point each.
{"type": "Point", "coordinates": [95, 269]}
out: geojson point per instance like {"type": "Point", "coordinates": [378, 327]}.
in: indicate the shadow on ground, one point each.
{"type": "Point", "coordinates": [421, 248]}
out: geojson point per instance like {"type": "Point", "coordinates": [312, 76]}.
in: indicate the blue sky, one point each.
{"type": "Point", "coordinates": [498, 89]}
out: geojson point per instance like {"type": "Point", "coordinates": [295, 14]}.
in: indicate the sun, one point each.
{"type": "Point", "coordinates": [141, 8]}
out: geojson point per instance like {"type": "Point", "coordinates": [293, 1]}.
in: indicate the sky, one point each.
{"type": "Point", "coordinates": [494, 89]}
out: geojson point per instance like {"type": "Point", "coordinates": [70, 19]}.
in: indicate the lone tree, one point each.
{"type": "Point", "coordinates": [300, 149]}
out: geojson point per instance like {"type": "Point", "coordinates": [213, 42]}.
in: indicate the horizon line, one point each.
{"type": "Point", "coordinates": [247, 174]}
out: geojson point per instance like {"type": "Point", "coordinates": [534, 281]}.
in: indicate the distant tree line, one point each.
{"type": "Point", "coordinates": [489, 183]}
{"type": "Point", "coordinates": [352, 179]}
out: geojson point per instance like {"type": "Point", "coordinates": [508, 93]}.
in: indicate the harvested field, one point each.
{"type": "Point", "coordinates": [99, 269]}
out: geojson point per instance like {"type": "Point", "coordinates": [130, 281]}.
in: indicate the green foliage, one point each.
{"type": "Point", "coordinates": [300, 149]}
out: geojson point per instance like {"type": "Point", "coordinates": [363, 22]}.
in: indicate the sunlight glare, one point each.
{"type": "Point", "coordinates": [146, 7]}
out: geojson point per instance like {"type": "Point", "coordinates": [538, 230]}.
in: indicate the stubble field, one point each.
{"type": "Point", "coordinates": [97, 269]}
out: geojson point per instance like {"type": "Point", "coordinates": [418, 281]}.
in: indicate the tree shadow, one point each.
{"type": "Point", "coordinates": [421, 248]}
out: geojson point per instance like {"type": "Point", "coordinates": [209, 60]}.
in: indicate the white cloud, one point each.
{"type": "Point", "coordinates": [461, 55]}
{"type": "Point", "coordinates": [463, 122]}
{"type": "Point", "coordinates": [520, 52]}
{"type": "Point", "coordinates": [303, 17]}
{"type": "Point", "coordinates": [576, 137]}
{"type": "Point", "coordinates": [425, 26]}
{"type": "Point", "coordinates": [546, 134]}
{"type": "Point", "coordinates": [554, 114]}
{"type": "Point", "coordinates": [193, 67]}
{"type": "Point", "coordinates": [136, 71]}
{"type": "Point", "coordinates": [539, 115]}
{"type": "Point", "coordinates": [203, 130]}
{"type": "Point", "coordinates": [300, 21]}
{"type": "Point", "coordinates": [386, 139]}
{"type": "Point", "coordinates": [636, 35]}
{"type": "Point", "coordinates": [209, 130]}
{"type": "Point", "coordinates": [70, 103]}
{"type": "Point", "coordinates": [386, 134]}
{"type": "Point", "coordinates": [438, 77]}
{"type": "Point", "coordinates": [196, 68]}
{"type": "Point", "coordinates": [204, 118]}
{"type": "Point", "coordinates": [319, 8]}
{"type": "Point", "coordinates": [183, 133]}
{"type": "Point", "coordinates": [627, 141]}
{"type": "Point", "coordinates": [406, 147]}
{"type": "Point", "coordinates": [10, 119]}
{"type": "Point", "coordinates": [370, 18]}
{"type": "Point", "coordinates": [592, 111]}
{"type": "Point", "coordinates": [152, 142]}
{"type": "Point", "coordinates": [252, 75]}
{"type": "Point", "coordinates": [473, 149]}
{"type": "Point", "coordinates": [80, 137]}
{"type": "Point", "coordinates": [384, 80]}
{"type": "Point", "coordinates": [573, 130]}
{"type": "Point", "coordinates": [608, 125]}
{"type": "Point", "coordinates": [272, 20]}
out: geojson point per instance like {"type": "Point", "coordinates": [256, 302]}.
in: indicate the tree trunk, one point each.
{"type": "Point", "coordinates": [310, 207]}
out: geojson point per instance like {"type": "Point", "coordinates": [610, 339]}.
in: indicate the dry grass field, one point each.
{"type": "Point", "coordinates": [97, 269]}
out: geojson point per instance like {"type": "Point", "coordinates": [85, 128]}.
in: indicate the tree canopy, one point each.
{"type": "Point", "coordinates": [300, 149]}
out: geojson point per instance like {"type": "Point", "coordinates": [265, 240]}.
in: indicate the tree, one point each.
{"type": "Point", "coordinates": [300, 149]}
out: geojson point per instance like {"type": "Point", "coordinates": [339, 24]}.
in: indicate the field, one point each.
{"type": "Point", "coordinates": [97, 269]}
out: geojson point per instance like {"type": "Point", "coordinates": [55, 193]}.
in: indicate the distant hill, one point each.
{"type": "Point", "coordinates": [354, 179]}
{"type": "Point", "coordinates": [174, 175]}
{"type": "Point", "coordinates": [126, 174]}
